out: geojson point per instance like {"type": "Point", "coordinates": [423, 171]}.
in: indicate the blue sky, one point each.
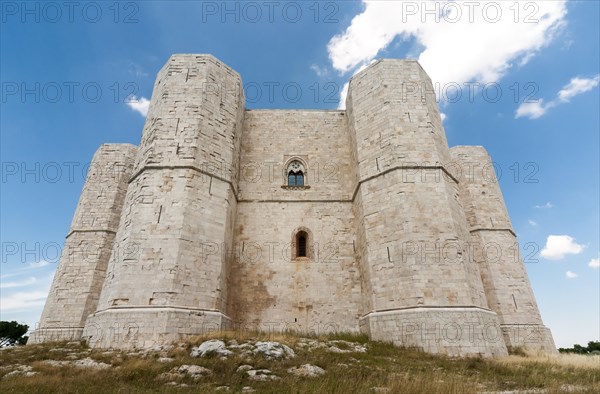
{"type": "Point", "coordinates": [68, 77]}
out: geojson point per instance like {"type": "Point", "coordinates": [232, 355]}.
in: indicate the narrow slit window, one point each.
{"type": "Point", "coordinates": [301, 244]}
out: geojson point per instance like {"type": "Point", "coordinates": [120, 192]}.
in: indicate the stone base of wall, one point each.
{"type": "Point", "coordinates": [529, 336]}
{"type": "Point", "coordinates": [55, 334]}
{"type": "Point", "coordinates": [454, 331]}
{"type": "Point", "coordinates": [145, 327]}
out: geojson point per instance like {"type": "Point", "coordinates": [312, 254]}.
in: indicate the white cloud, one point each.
{"type": "Point", "coordinates": [137, 70]}
{"type": "Point", "coordinates": [547, 205]}
{"type": "Point", "coordinates": [533, 110]}
{"type": "Point", "coordinates": [140, 105]}
{"type": "Point", "coordinates": [39, 264]}
{"type": "Point", "coordinates": [571, 275]}
{"type": "Point", "coordinates": [577, 86]}
{"type": "Point", "coordinates": [457, 46]}
{"type": "Point", "coordinates": [320, 71]}
{"type": "Point", "coordinates": [532, 222]}
{"type": "Point", "coordinates": [343, 95]}
{"type": "Point", "coordinates": [558, 246]}
{"type": "Point", "coordinates": [595, 263]}
{"type": "Point", "coordinates": [443, 116]}
{"type": "Point", "coordinates": [25, 282]}
{"type": "Point", "coordinates": [29, 267]}
{"type": "Point", "coordinates": [23, 300]}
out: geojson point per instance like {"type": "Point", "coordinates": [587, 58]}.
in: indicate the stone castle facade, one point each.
{"type": "Point", "coordinates": [360, 220]}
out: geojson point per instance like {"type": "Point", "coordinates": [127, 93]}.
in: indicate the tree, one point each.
{"type": "Point", "coordinates": [593, 347]}
{"type": "Point", "coordinates": [12, 333]}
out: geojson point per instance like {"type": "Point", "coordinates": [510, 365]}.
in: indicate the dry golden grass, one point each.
{"type": "Point", "coordinates": [382, 369]}
{"type": "Point", "coordinates": [591, 362]}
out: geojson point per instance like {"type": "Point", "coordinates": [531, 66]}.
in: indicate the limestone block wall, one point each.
{"type": "Point", "coordinates": [81, 271]}
{"type": "Point", "coordinates": [273, 290]}
{"type": "Point", "coordinates": [494, 248]}
{"type": "Point", "coordinates": [180, 204]}
{"type": "Point", "coordinates": [411, 211]}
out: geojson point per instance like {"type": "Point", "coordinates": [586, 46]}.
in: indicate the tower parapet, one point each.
{"type": "Point", "coordinates": [81, 271]}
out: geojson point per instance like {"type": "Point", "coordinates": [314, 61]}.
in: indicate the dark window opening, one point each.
{"type": "Point", "coordinates": [295, 178]}
{"type": "Point", "coordinates": [301, 244]}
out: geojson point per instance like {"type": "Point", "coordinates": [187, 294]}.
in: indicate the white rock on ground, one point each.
{"type": "Point", "coordinates": [351, 347]}
{"type": "Point", "coordinates": [261, 375]}
{"type": "Point", "coordinates": [334, 346]}
{"type": "Point", "coordinates": [175, 384]}
{"type": "Point", "coordinates": [244, 368]}
{"type": "Point", "coordinates": [274, 350]}
{"type": "Point", "coordinates": [83, 363]}
{"type": "Point", "coordinates": [195, 371]}
{"type": "Point", "coordinates": [311, 344]}
{"type": "Point", "coordinates": [214, 346]}
{"type": "Point", "coordinates": [56, 363]}
{"type": "Point", "coordinates": [89, 363]}
{"type": "Point", "coordinates": [306, 370]}
{"type": "Point", "coordinates": [22, 370]}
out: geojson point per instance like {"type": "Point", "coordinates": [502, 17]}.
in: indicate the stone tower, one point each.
{"type": "Point", "coordinates": [383, 234]}
{"type": "Point", "coordinates": [81, 272]}
{"type": "Point", "coordinates": [175, 206]}
{"type": "Point", "coordinates": [495, 249]}
{"type": "Point", "coordinates": [409, 215]}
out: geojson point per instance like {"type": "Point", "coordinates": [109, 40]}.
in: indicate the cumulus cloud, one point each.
{"type": "Point", "coordinates": [532, 110]}
{"type": "Point", "coordinates": [558, 246]}
{"type": "Point", "coordinates": [547, 205]}
{"type": "Point", "coordinates": [595, 263]}
{"type": "Point", "coordinates": [532, 222]}
{"type": "Point", "coordinates": [571, 275]}
{"type": "Point", "coordinates": [577, 86]}
{"type": "Point", "coordinates": [460, 41]}
{"type": "Point", "coordinates": [139, 105]}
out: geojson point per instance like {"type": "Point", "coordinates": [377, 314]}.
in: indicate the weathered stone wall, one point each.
{"type": "Point", "coordinates": [82, 268]}
{"type": "Point", "coordinates": [273, 290]}
{"type": "Point", "coordinates": [493, 246]}
{"type": "Point", "coordinates": [411, 211]}
{"type": "Point", "coordinates": [179, 205]}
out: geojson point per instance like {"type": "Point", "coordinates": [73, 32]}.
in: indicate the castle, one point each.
{"type": "Point", "coordinates": [360, 220]}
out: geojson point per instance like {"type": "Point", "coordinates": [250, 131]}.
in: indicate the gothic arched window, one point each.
{"type": "Point", "coordinates": [295, 174]}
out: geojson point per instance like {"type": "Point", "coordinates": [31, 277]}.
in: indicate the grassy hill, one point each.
{"type": "Point", "coordinates": [351, 364]}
